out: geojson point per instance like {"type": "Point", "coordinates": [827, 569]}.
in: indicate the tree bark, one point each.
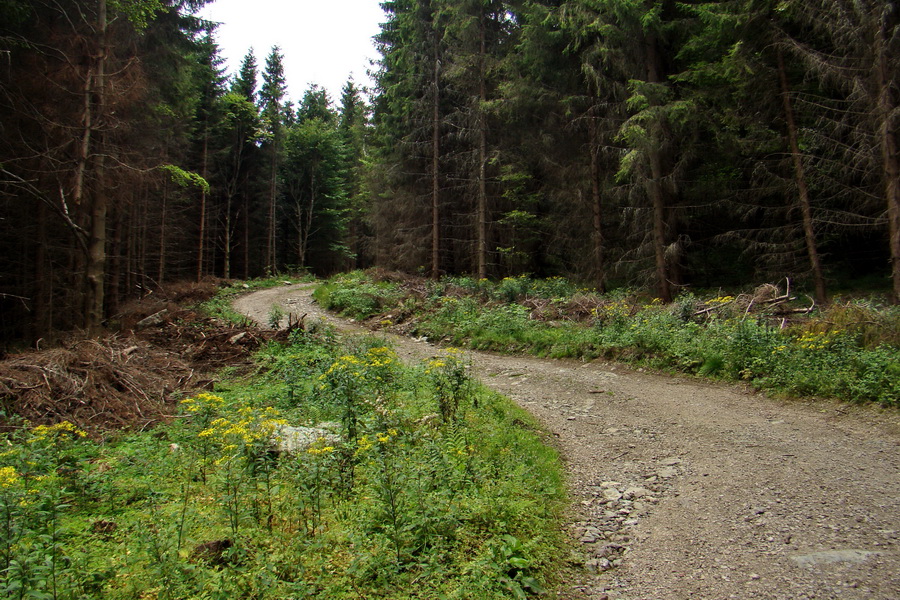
{"type": "Point", "coordinates": [435, 164]}
{"type": "Point", "coordinates": [271, 267]}
{"type": "Point", "coordinates": [43, 309]}
{"type": "Point", "coordinates": [596, 200]}
{"type": "Point", "coordinates": [887, 107]}
{"type": "Point", "coordinates": [481, 216]}
{"type": "Point", "coordinates": [655, 188]}
{"type": "Point", "coordinates": [226, 269]}
{"type": "Point", "coordinates": [161, 274]}
{"type": "Point", "coordinates": [203, 173]}
{"type": "Point", "coordinates": [246, 236]}
{"type": "Point", "coordinates": [96, 256]}
{"type": "Point", "coordinates": [802, 189]}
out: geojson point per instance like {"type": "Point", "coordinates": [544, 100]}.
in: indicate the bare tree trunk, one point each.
{"type": "Point", "coordinates": [114, 273]}
{"type": "Point", "coordinates": [657, 198]}
{"type": "Point", "coordinates": [161, 274]}
{"type": "Point", "coordinates": [202, 234]}
{"type": "Point", "coordinates": [481, 216]}
{"type": "Point", "coordinates": [131, 251]}
{"type": "Point", "coordinates": [309, 218]}
{"type": "Point", "coordinates": [246, 237]}
{"type": "Point", "coordinates": [802, 189]}
{"type": "Point", "coordinates": [655, 187]}
{"type": "Point", "coordinates": [43, 313]}
{"type": "Point", "coordinates": [890, 149]}
{"type": "Point", "coordinates": [271, 268]}
{"type": "Point", "coordinates": [226, 270]}
{"type": "Point", "coordinates": [301, 244]}
{"type": "Point", "coordinates": [596, 200]}
{"type": "Point", "coordinates": [435, 165]}
{"type": "Point", "coordinates": [96, 258]}
{"type": "Point", "coordinates": [141, 233]}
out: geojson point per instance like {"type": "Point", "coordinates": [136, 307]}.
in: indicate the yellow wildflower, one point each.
{"type": "Point", "coordinates": [8, 477]}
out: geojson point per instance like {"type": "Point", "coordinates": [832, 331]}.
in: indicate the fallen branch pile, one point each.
{"type": "Point", "coordinates": [123, 381]}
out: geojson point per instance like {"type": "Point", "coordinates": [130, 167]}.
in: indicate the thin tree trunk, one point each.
{"type": "Point", "coordinates": [84, 145]}
{"type": "Point", "coordinates": [226, 270]}
{"type": "Point", "coordinates": [655, 187]}
{"type": "Point", "coordinates": [96, 259]}
{"type": "Point", "coordinates": [42, 295]}
{"type": "Point", "coordinates": [161, 274]}
{"type": "Point", "coordinates": [142, 235]}
{"type": "Point", "coordinates": [435, 165]}
{"type": "Point", "coordinates": [246, 237]}
{"type": "Point", "coordinates": [802, 189]}
{"type": "Point", "coordinates": [271, 268]}
{"type": "Point", "coordinates": [131, 250]}
{"type": "Point", "coordinates": [890, 149]}
{"type": "Point", "coordinates": [657, 198]}
{"type": "Point", "coordinates": [309, 217]}
{"type": "Point", "coordinates": [114, 276]}
{"type": "Point", "coordinates": [596, 201]}
{"type": "Point", "coordinates": [301, 256]}
{"type": "Point", "coordinates": [203, 173]}
{"type": "Point", "coordinates": [482, 212]}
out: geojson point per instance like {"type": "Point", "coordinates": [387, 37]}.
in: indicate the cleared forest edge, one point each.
{"type": "Point", "coordinates": [687, 490]}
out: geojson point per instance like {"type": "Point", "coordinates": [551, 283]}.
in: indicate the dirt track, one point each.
{"type": "Point", "coordinates": [688, 490]}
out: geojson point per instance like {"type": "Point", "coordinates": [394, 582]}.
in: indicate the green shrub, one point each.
{"type": "Point", "coordinates": [847, 351]}
{"type": "Point", "coordinates": [394, 503]}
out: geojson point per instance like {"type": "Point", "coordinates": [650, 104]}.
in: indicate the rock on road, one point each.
{"type": "Point", "coordinates": [689, 490]}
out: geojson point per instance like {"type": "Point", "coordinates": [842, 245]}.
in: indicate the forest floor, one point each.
{"type": "Point", "coordinates": [684, 489]}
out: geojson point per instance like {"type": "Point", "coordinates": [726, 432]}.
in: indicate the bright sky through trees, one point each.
{"type": "Point", "coordinates": [322, 42]}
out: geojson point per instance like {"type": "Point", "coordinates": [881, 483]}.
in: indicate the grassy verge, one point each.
{"type": "Point", "coordinates": [415, 482]}
{"type": "Point", "coordinates": [847, 351]}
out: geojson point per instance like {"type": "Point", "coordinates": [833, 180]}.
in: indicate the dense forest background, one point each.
{"type": "Point", "coordinates": [619, 142]}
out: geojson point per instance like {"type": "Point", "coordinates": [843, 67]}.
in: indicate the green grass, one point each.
{"type": "Point", "coordinates": [847, 351]}
{"type": "Point", "coordinates": [428, 486]}
{"type": "Point", "coordinates": [353, 295]}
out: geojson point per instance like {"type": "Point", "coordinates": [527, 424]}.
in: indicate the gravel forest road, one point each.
{"type": "Point", "coordinates": [689, 490]}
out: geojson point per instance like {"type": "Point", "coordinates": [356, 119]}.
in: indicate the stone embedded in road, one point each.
{"type": "Point", "coordinates": [612, 494]}
{"type": "Point", "coordinates": [832, 556]}
{"type": "Point", "coordinates": [667, 472]}
{"type": "Point", "coordinates": [636, 492]}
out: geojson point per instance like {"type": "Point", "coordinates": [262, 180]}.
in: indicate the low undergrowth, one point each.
{"type": "Point", "coordinates": [414, 482]}
{"type": "Point", "coordinates": [848, 350]}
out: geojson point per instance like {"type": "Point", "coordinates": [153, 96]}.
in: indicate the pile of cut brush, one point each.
{"type": "Point", "coordinates": [128, 380]}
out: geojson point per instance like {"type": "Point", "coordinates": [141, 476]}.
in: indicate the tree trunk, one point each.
{"type": "Point", "coordinates": [596, 200]}
{"type": "Point", "coordinates": [887, 107]}
{"type": "Point", "coordinates": [802, 189]}
{"type": "Point", "coordinates": [246, 237]}
{"type": "Point", "coordinates": [481, 216]}
{"type": "Point", "coordinates": [161, 275]}
{"type": "Point", "coordinates": [435, 165]}
{"type": "Point", "coordinates": [43, 313]}
{"type": "Point", "coordinates": [203, 173]}
{"type": "Point", "coordinates": [96, 256]}
{"type": "Point", "coordinates": [114, 272]}
{"type": "Point", "coordinates": [655, 188]}
{"type": "Point", "coordinates": [271, 267]}
{"type": "Point", "coordinates": [226, 269]}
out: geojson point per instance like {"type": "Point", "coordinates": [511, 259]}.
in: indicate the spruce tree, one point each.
{"type": "Point", "coordinates": [271, 98]}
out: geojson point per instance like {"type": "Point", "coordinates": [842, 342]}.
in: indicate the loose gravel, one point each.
{"type": "Point", "coordinates": [683, 489]}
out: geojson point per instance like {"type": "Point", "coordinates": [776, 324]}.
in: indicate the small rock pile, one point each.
{"type": "Point", "coordinates": [612, 509]}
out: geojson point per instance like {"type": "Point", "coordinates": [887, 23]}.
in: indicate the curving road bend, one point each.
{"type": "Point", "coordinates": [689, 490]}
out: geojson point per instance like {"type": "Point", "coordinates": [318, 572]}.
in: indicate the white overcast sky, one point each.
{"type": "Point", "coordinates": [323, 41]}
